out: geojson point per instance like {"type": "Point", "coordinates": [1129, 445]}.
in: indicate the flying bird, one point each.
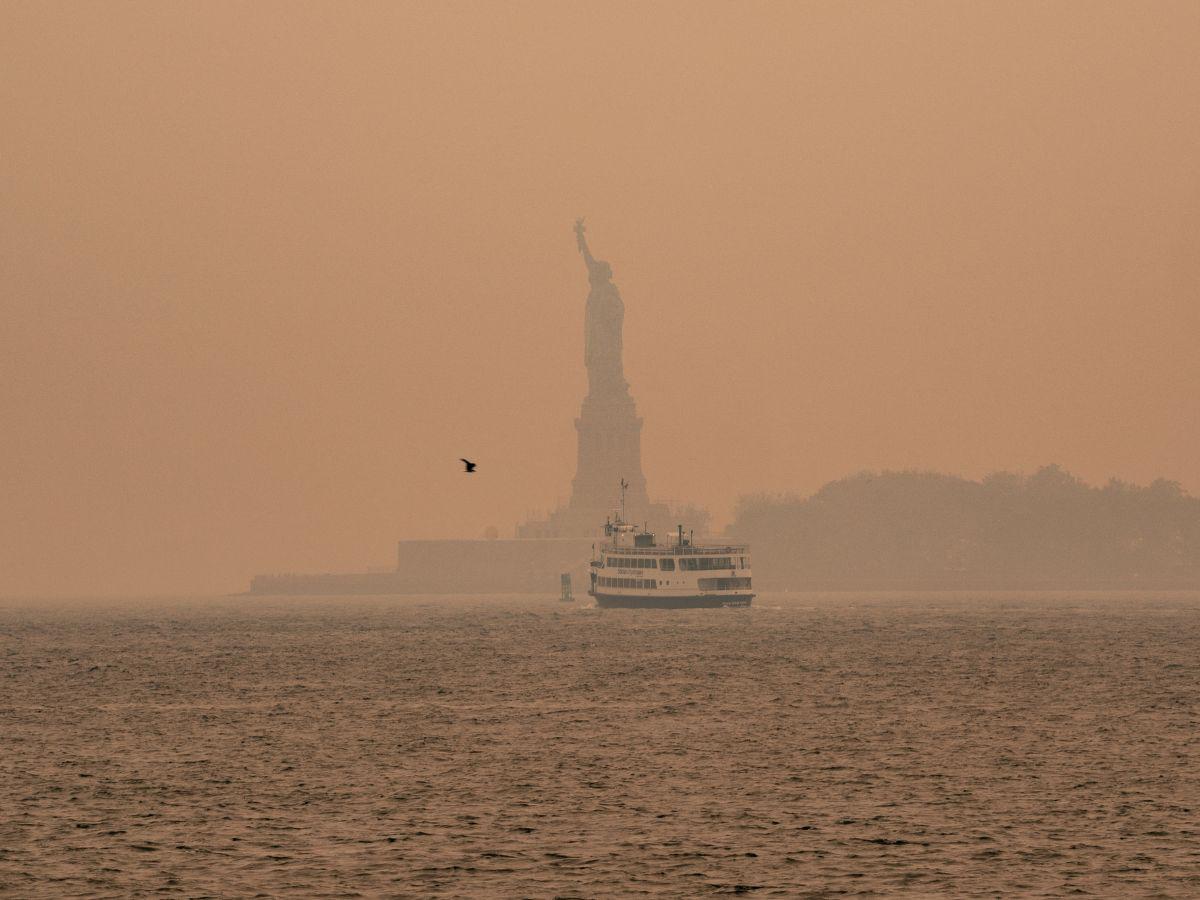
{"type": "Point", "coordinates": [470, 465]}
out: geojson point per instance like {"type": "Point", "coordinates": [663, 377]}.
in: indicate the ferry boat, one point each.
{"type": "Point", "coordinates": [633, 571]}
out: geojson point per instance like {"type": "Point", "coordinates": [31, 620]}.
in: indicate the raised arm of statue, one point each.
{"type": "Point", "coordinates": [582, 242]}
{"type": "Point", "coordinates": [599, 272]}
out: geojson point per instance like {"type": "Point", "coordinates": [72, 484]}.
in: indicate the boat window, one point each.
{"type": "Point", "coordinates": [667, 565]}
{"type": "Point", "coordinates": [634, 583]}
{"type": "Point", "coordinates": [724, 584]}
{"type": "Point", "coordinates": [706, 563]}
{"type": "Point", "coordinates": [631, 562]}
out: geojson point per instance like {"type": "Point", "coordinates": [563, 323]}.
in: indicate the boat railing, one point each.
{"type": "Point", "coordinates": [675, 550]}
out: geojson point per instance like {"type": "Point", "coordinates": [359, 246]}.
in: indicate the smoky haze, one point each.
{"type": "Point", "coordinates": [269, 270]}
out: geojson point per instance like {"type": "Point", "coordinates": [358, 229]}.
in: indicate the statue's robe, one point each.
{"type": "Point", "coordinates": [603, 323]}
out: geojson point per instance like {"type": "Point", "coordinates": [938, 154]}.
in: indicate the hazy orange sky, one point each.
{"type": "Point", "coordinates": [270, 269]}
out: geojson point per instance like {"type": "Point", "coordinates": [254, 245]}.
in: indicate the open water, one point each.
{"type": "Point", "coordinates": [960, 745]}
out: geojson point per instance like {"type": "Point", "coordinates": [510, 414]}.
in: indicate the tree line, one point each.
{"type": "Point", "coordinates": [915, 529]}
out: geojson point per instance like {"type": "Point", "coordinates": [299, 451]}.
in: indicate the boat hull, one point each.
{"type": "Point", "coordinates": [689, 601]}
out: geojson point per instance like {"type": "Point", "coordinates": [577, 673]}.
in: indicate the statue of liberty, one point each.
{"type": "Point", "coordinates": [603, 321]}
{"type": "Point", "coordinates": [609, 448]}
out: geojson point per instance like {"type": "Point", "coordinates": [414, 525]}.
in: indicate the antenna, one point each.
{"type": "Point", "coordinates": [624, 485]}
